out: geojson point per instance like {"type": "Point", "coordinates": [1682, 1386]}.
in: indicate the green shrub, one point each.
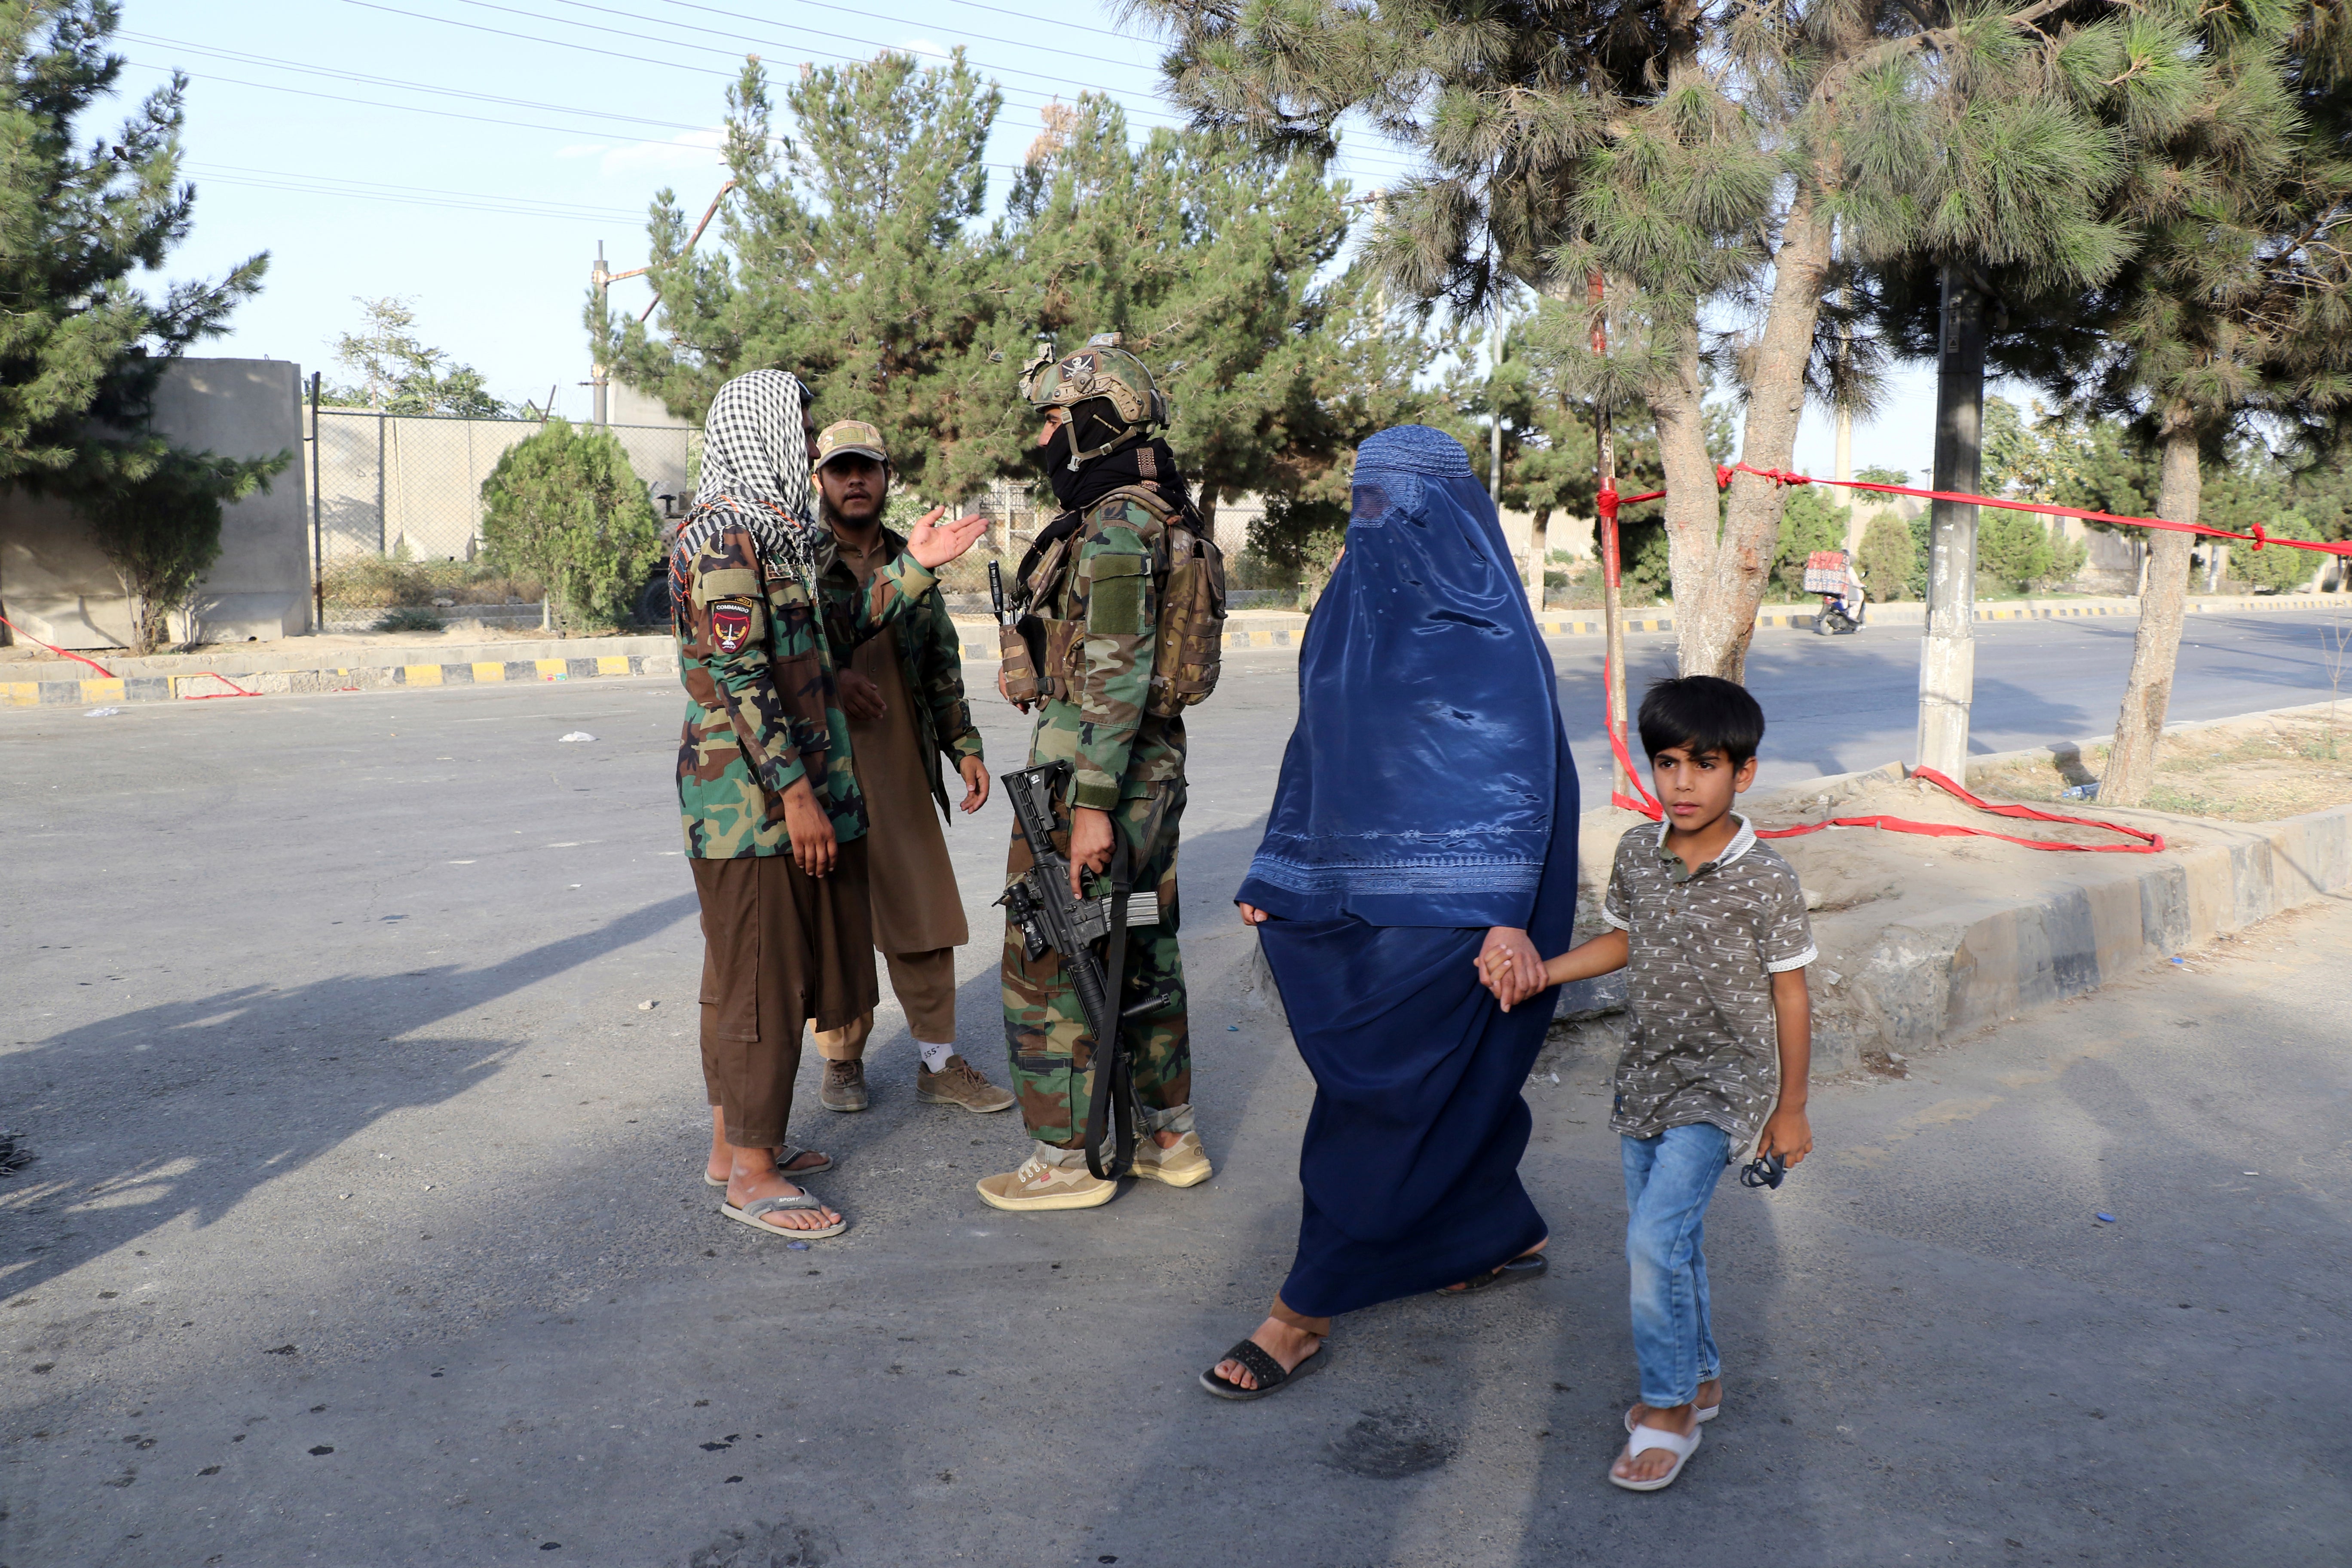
{"type": "Point", "coordinates": [567, 507]}
{"type": "Point", "coordinates": [410, 620]}
{"type": "Point", "coordinates": [2012, 547]}
{"type": "Point", "coordinates": [1887, 556]}
{"type": "Point", "coordinates": [1645, 564]}
{"type": "Point", "coordinates": [2277, 569]}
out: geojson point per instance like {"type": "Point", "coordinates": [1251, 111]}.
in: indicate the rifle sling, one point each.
{"type": "Point", "coordinates": [1114, 1086]}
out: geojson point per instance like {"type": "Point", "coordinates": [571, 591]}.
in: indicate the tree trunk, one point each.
{"type": "Point", "coordinates": [1694, 514]}
{"type": "Point", "coordinates": [2131, 763]}
{"type": "Point", "coordinates": [1539, 554]}
{"type": "Point", "coordinates": [1715, 629]}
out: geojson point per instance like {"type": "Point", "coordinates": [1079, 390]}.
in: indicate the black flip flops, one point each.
{"type": "Point", "coordinates": [1527, 1266]}
{"type": "Point", "coordinates": [1262, 1366]}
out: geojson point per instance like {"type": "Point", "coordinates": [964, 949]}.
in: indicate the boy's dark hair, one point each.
{"type": "Point", "coordinates": [1704, 713]}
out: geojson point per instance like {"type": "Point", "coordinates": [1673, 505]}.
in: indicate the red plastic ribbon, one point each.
{"type": "Point", "coordinates": [2258, 538]}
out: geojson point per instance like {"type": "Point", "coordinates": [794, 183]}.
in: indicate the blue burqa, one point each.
{"type": "Point", "coordinates": [1426, 794]}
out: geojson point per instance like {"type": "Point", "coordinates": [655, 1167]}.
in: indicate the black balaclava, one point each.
{"type": "Point", "coordinates": [1135, 461]}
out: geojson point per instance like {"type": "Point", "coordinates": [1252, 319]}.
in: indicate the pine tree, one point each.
{"type": "Point", "coordinates": [1697, 159]}
{"type": "Point", "coordinates": [847, 256]}
{"type": "Point", "coordinates": [1203, 256]}
{"type": "Point", "coordinates": [399, 373]}
{"type": "Point", "coordinates": [82, 347]}
{"type": "Point", "coordinates": [2234, 306]}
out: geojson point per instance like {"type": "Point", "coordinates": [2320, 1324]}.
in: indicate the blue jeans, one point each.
{"type": "Point", "coordinates": [1668, 1180]}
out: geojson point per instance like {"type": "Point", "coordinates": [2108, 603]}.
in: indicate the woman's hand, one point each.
{"type": "Point", "coordinates": [1251, 914]}
{"type": "Point", "coordinates": [1510, 966]}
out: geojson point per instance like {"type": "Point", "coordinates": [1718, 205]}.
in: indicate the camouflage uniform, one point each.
{"type": "Point", "coordinates": [1101, 621]}
{"type": "Point", "coordinates": [931, 657]}
{"type": "Point", "coordinates": [762, 699]}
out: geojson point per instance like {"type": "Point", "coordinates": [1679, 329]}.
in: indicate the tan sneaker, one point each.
{"type": "Point", "coordinates": [1185, 1165]}
{"type": "Point", "coordinates": [845, 1086]}
{"type": "Point", "coordinates": [1049, 1179]}
{"type": "Point", "coordinates": [959, 1083]}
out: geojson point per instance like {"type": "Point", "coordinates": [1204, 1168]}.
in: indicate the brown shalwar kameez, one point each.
{"type": "Point", "coordinates": [917, 912]}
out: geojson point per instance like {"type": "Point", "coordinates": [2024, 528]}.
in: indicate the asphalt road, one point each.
{"type": "Point", "coordinates": [1837, 704]}
{"type": "Point", "coordinates": [364, 1224]}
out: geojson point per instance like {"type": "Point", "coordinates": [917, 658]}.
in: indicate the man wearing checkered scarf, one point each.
{"type": "Point", "coordinates": [775, 822]}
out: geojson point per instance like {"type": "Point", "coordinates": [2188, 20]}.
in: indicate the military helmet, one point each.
{"type": "Point", "coordinates": [1101, 368]}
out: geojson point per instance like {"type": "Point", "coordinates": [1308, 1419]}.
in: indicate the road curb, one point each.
{"type": "Point", "coordinates": [1927, 979]}
{"type": "Point", "coordinates": [342, 677]}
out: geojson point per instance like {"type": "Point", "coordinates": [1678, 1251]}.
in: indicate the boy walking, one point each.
{"type": "Point", "coordinates": [1711, 927]}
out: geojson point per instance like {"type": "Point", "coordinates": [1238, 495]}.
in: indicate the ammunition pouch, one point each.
{"type": "Point", "coordinates": [1022, 648]}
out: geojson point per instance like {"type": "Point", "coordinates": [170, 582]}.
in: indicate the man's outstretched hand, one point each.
{"type": "Point", "coordinates": [934, 544]}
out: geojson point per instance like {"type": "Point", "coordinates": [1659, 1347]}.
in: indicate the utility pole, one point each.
{"type": "Point", "coordinates": [599, 278]}
{"type": "Point", "coordinates": [1947, 653]}
{"type": "Point", "coordinates": [1604, 527]}
{"type": "Point", "coordinates": [602, 278]}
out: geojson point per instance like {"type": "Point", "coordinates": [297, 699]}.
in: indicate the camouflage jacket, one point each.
{"type": "Point", "coordinates": [762, 709]}
{"type": "Point", "coordinates": [931, 659]}
{"type": "Point", "coordinates": [1097, 593]}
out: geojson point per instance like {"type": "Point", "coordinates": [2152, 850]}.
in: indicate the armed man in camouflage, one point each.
{"type": "Point", "coordinates": [902, 686]}
{"type": "Point", "coordinates": [775, 823]}
{"type": "Point", "coordinates": [1109, 668]}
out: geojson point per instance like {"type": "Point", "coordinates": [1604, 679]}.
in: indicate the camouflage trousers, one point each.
{"type": "Point", "coordinates": [1045, 1029]}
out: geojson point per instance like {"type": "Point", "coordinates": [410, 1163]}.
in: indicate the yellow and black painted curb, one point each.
{"type": "Point", "coordinates": [351, 678]}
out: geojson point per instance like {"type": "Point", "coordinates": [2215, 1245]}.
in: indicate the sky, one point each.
{"type": "Point", "coordinates": [470, 156]}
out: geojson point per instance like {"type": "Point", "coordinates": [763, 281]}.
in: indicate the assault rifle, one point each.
{"type": "Point", "coordinates": [1040, 902]}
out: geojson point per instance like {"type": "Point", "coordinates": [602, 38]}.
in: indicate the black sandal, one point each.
{"type": "Point", "coordinates": [1526, 1266]}
{"type": "Point", "coordinates": [1262, 1366]}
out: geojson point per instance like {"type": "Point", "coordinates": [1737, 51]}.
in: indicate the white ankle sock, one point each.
{"type": "Point", "coordinates": [935, 1058]}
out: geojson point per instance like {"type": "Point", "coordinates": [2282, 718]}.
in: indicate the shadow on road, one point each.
{"type": "Point", "coordinates": [259, 1042]}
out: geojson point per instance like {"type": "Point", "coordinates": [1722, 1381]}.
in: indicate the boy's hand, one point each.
{"type": "Point", "coordinates": [1787, 1134]}
{"type": "Point", "coordinates": [1510, 966]}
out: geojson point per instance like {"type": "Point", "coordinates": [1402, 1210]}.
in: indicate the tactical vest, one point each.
{"type": "Point", "coordinates": [1188, 578]}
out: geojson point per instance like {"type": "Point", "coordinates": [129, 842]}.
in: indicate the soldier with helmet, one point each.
{"type": "Point", "coordinates": [1121, 603]}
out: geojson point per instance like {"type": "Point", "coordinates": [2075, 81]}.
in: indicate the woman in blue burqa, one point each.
{"type": "Point", "coordinates": [1426, 815]}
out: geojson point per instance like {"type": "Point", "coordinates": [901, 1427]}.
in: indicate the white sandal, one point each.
{"type": "Point", "coordinates": [1704, 1413]}
{"type": "Point", "coordinates": [1646, 1438]}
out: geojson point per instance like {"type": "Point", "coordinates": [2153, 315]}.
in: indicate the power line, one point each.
{"type": "Point", "coordinates": [717, 32]}
{"type": "Point", "coordinates": [378, 103]}
{"type": "Point", "coordinates": [870, 16]}
{"type": "Point", "coordinates": [701, 48]}
{"type": "Point", "coordinates": [275, 63]}
{"type": "Point", "coordinates": [1022, 16]}
{"type": "Point", "coordinates": [503, 208]}
{"type": "Point", "coordinates": [577, 209]}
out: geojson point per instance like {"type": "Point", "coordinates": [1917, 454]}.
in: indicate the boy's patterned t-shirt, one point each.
{"type": "Point", "coordinates": [1702, 948]}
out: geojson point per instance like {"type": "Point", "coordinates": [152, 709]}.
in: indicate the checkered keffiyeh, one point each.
{"type": "Point", "coordinates": [755, 473]}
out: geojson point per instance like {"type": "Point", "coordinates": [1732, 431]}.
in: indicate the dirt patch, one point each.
{"type": "Point", "coordinates": [2258, 769]}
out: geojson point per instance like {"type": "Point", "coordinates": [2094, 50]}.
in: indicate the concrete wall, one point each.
{"type": "Point", "coordinates": [389, 482]}
{"type": "Point", "coordinates": [56, 586]}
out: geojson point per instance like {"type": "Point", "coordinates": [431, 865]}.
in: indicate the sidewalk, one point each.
{"type": "Point", "coordinates": [339, 662]}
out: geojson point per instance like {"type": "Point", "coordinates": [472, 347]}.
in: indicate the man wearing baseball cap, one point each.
{"type": "Point", "coordinates": [902, 689]}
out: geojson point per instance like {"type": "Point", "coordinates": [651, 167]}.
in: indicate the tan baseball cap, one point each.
{"type": "Point", "coordinates": [846, 437]}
